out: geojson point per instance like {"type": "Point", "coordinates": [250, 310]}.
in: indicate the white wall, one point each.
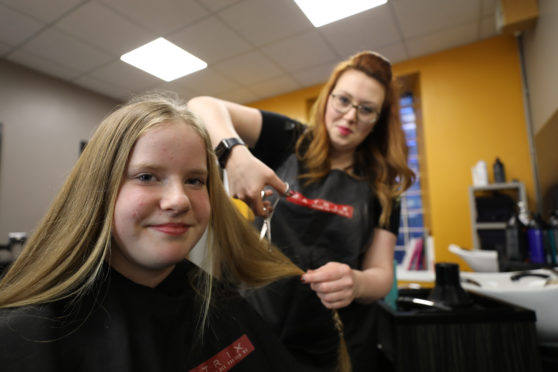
{"type": "Point", "coordinates": [541, 63]}
{"type": "Point", "coordinates": [44, 121]}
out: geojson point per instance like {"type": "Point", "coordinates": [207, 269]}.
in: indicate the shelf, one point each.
{"type": "Point", "coordinates": [498, 186]}
{"type": "Point", "coordinates": [476, 226]}
{"type": "Point", "coordinates": [490, 225]}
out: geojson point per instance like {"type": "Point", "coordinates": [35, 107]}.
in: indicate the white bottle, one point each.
{"type": "Point", "coordinates": [523, 214]}
{"type": "Point", "coordinates": [480, 174]}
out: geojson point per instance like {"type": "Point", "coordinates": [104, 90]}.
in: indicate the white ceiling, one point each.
{"type": "Point", "coordinates": [255, 48]}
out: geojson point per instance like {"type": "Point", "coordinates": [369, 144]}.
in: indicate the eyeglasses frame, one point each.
{"type": "Point", "coordinates": [356, 107]}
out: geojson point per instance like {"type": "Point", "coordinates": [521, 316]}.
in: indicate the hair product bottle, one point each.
{"type": "Point", "coordinates": [480, 174]}
{"type": "Point", "coordinates": [516, 240]}
{"type": "Point", "coordinates": [553, 237]}
{"type": "Point", "coordinates": [499, 171]}
{"type": "Point", "coordinates": [535, 235]}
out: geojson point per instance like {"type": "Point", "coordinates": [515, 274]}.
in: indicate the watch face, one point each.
{"type": "Point", "coordinates": [220, 149]}
{"type": "Point", "coordinates": [224, 148]}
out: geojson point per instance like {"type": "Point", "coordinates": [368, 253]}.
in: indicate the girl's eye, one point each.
{"type": "Point", "coordinates": [196, 181]}
{"type": "Point", "coordinates": [145, 177]}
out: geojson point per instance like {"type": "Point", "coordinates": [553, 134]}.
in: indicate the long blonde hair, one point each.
{"type": "Point", "coordinates": [65, 254]}
{"type": "Point", "coordinates": [382, 157]}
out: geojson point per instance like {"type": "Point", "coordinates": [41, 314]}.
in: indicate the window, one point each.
{"type": "Point", "coordinates": [412, 209]}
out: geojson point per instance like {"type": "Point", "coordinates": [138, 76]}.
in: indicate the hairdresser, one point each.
{"type": "Point", "coordinates": [346, 170]}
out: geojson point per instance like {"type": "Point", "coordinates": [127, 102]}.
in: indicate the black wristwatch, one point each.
{"type": "Point", "coordinates": [223, 149]}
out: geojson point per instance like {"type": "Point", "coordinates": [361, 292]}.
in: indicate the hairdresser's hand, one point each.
{"type": "Point", "coordinates": [334, 283]}
{"type": "Point", "coordinates": [247, 177]}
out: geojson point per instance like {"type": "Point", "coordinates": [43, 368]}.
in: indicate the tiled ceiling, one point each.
{"type": "Point", "coordinates": [255, 48]}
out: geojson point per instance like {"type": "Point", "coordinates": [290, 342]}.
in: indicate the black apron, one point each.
{"type": "Point", "coordinates": [332, 220]}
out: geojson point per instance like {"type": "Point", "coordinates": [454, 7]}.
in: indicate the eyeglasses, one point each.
{"type": "Point", "coordinates": [366, 114]}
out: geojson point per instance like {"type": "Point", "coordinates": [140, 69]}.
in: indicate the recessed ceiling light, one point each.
{"type": "Point", "coordinates": [164, 60]}
{"type": "Point", "coordinates": [322, 12]}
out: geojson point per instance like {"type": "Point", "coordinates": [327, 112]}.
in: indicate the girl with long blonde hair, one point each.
{"type": "Point", "coordinates": [103, 282]}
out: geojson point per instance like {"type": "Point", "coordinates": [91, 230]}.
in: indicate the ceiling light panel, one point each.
{"type": "Point", "coordinates": [163, 59]}
{"type": "Point", "coordinates": [322, 12]}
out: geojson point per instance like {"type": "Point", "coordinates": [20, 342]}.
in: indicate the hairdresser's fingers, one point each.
{"type": "Point", "coordinates": [257, 203]}
{"type": "Point", "coordinates": [251, 193]}
{"type": "Point", "coordinates": [331, 271]}
{"type": "Point", "coordinates": [339, 290]}
{"type": "Point", "coordinates": [334, 283]}
{"type": "Point", "coordinates": [334, 295]}
{"type": "Point", "coordinates": [276, 182]}
{"type": "Point", "coordinates": [337, 295]}
{"type": "Point", "coordinates": [335, 304]}
{"type": "Point", "coordinates": [247, 176]}
{"type": "Point", "coordinates": [335, 286]}
{"type": "Point", "coordinates": [260, 206]}
{"type": "Point", "coordinates": [268, 206]}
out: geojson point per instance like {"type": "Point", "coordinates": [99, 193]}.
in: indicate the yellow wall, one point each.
{"type": "Point", "coordinates": [472, 109]}
{"type": "Point", "coordinates": [292, 104]}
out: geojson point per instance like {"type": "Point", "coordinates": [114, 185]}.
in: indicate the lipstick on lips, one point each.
{"type": "Point", "coordinates": [344, 131]}
{"type": "Point", "coordinates": [174, 229]}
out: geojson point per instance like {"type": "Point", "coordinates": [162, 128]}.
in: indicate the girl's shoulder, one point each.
{"type": "Point", "coordinates": [28, 336]}
{"type": "Point", "coordinates": [30, 321]}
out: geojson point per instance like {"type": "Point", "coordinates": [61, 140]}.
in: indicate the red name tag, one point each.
{"type": "Point", "coordinates": [228, 357]}
{"type": "Point", "coordinates": [321, 205]}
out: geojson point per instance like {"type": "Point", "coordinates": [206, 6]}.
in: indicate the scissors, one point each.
{"type": "Point", "coordinates": [266, 227]}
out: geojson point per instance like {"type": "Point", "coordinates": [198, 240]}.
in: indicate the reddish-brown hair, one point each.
{"type": "Point", "coordinates": [382, 157]}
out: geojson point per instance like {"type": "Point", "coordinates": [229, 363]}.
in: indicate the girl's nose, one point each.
{"type": "Point", "coordinates": [174, 198]}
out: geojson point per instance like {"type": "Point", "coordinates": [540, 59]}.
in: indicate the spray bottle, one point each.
{"type": "Point", "coordinates": [499, 172]}
{"type": "Point", "coordinates": [535, 235]}
{"type": "Point", "coordinates": [553, 237]}
{"type": "Point", "coordinates": [516, 240]}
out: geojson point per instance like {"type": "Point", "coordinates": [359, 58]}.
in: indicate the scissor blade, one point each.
{"type": "Point", "coordinates": [263, 230]}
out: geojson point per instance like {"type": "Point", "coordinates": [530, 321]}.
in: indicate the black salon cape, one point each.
{"type": "Point", "coordinates": [311, 238]}
{"type": "Point", "coordinates": [129, 327]}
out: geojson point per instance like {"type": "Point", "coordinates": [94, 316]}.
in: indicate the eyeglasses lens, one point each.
{"type": "Point", "coordinates": [343, 104]}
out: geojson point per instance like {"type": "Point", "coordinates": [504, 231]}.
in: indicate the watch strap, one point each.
{"type": "Point", "coordinates": [223, 149]}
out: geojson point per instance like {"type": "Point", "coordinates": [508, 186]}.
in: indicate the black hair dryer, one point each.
{"type": "Point", "coordinates": [448, 290]}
